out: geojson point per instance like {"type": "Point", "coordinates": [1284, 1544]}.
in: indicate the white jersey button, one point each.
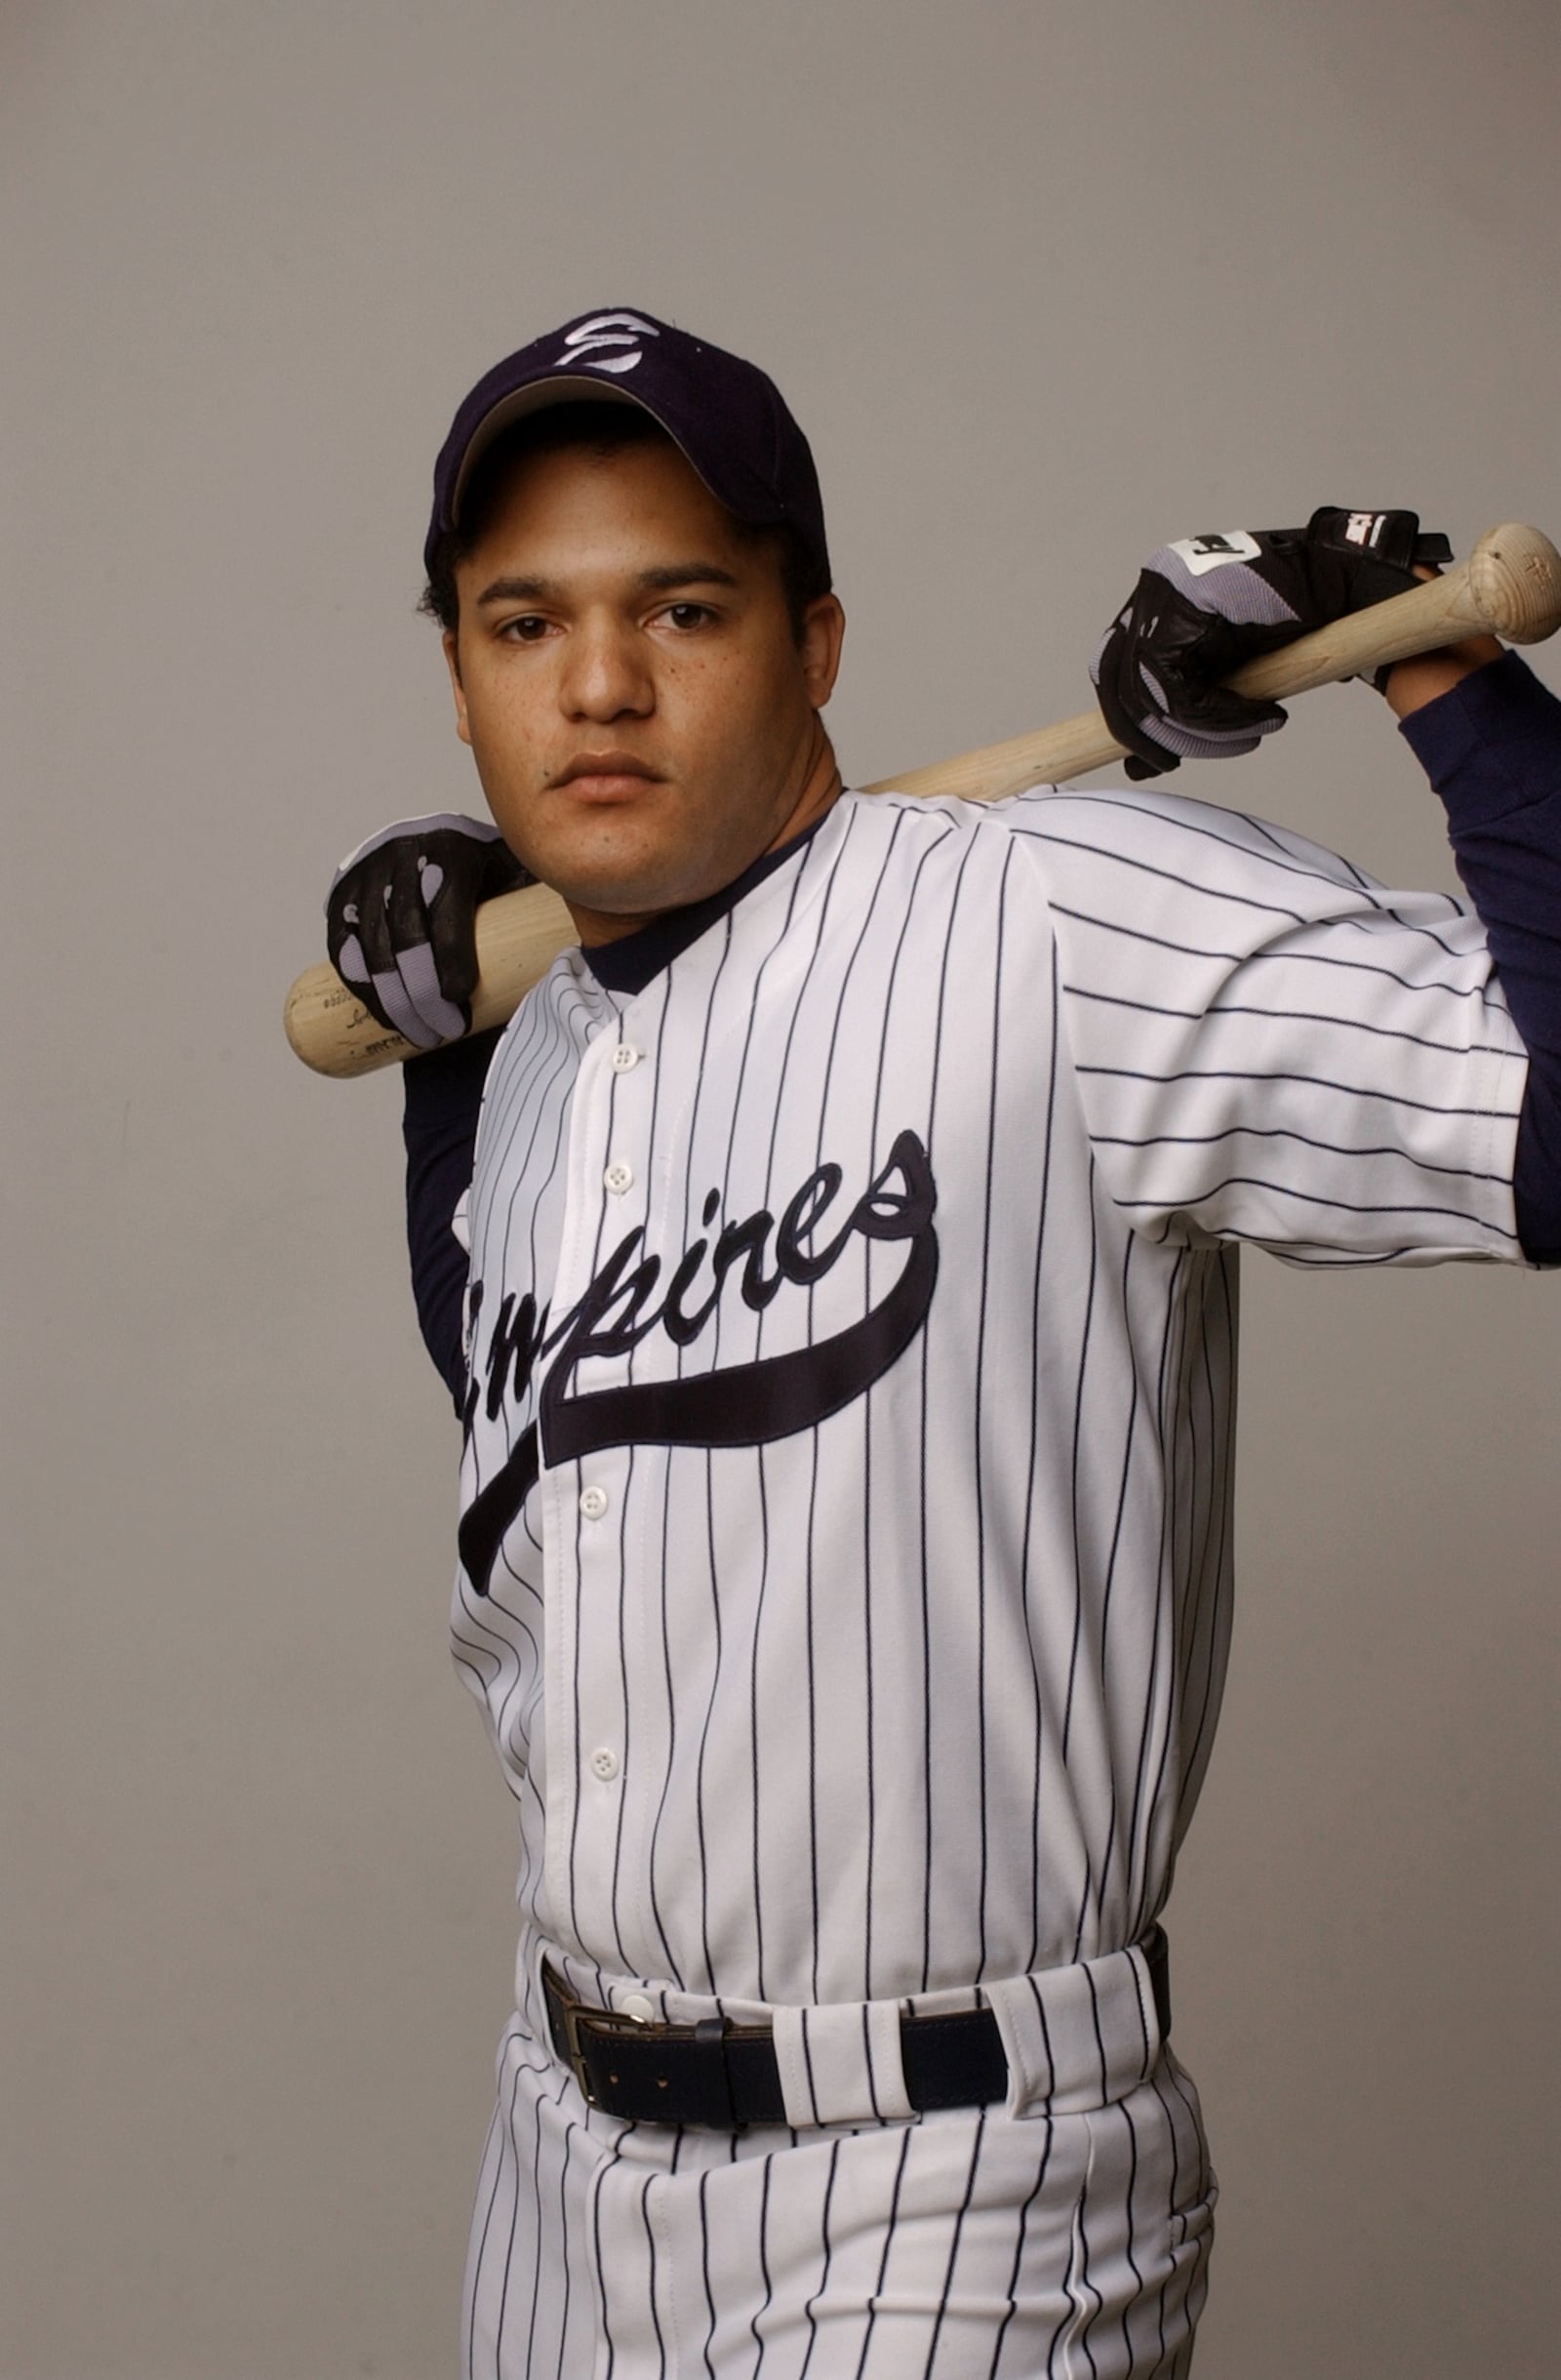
{"type": "Point", "coordinates": [593, 1502]}
{"type": "Point", "coordinates": [636, 2006]}
{"type": "Point", "coordinates": [604, 1763]}
{"type": "Point", "coordinates": [625, 1056]}
{"type": "Point", "coordinates": [618, 1178]}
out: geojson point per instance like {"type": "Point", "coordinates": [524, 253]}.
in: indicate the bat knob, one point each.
{"type": "Point", "coordinates": [1515, 582]}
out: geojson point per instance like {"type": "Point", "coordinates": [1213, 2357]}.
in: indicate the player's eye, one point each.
{"type": "Point", "coordinates": [686, 617]}
{"type": "Point", "coordinates": [528, 629]}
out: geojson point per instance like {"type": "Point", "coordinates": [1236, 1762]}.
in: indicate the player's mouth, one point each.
{"type": "Point", "coordinates": [606, 777]}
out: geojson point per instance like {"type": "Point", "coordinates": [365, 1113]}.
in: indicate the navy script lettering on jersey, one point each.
{"type": "Point", "coordinates": [744, 1404]}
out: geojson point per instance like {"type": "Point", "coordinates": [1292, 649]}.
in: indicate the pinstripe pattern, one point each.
{"type": "Point", "coordinates": [963, 2243]}
{"type": "Point", "coordinates": [827, 1702]}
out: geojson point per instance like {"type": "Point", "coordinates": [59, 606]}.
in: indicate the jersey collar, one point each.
{"type": "Point", "coordinates": [631, 963]}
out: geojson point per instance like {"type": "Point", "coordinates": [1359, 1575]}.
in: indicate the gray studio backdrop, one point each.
{"type": "Point", "coordinates": [1046, 283]}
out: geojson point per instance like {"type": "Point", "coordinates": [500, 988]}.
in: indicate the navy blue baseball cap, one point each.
{"type": "Point", "coordinates": [730, 419]}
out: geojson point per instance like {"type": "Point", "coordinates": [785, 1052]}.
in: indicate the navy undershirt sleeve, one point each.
{"type": "Point", "coordinates": [444, 1099]}
{"type": "Point", "coordinates": [1491, 745]}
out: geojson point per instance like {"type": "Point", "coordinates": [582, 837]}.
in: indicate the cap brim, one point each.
{"type": "Point", "coordinates": [539, 396]}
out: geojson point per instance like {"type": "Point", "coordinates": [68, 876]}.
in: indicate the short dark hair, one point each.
{"type": "Point", "coordinates": [605, 429]}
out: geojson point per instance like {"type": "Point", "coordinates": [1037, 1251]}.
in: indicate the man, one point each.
{"type": "Point", "coordinates": [846, 1368]}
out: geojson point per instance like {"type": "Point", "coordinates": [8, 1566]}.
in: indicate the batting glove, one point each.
{"type": "Point", "coordinates": [400, 921]}
{"type": "Point", "coordinates": [1205, 604]}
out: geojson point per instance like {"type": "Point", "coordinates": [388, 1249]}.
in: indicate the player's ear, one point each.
{"type": "Point", "coordinates": [824, 630]}
{"type": "Point", "coordinates": [453, 661]}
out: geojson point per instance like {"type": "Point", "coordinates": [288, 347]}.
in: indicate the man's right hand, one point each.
{"type": "Point", "coordinates": [401, 921]}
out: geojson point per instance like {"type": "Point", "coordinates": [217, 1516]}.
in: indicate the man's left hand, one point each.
{"type": "Point", "coordinates": [1205, 604]}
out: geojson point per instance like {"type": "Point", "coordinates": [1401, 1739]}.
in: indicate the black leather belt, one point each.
{"type": "Point", "coordinates": [727, 2076]}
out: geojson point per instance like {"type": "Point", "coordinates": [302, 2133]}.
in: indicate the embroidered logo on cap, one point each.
{"type": "Point", "coordinates": [614, 332]}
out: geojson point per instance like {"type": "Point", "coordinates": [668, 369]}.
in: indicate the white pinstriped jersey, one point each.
{"type": "Point", "coordinates": [846, 1536]}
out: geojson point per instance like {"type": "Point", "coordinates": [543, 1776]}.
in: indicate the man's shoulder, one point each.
{"type": "Point", "coordinates": [1105, 818]}
{"type": "Point", "coordinates": [1125, 813]}
{"type": "Point", "coordinates": [1138, 825]}
{"type": "Point", "coordinates": [1114, 848]}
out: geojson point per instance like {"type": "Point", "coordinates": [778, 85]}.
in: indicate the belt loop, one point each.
{"type": "Point", "coordinates": [712, 2082]}
{"type": "Point", "coordinates": [1082, 2036]}
{"type": "Point", "coordinates": [1157, 1959]}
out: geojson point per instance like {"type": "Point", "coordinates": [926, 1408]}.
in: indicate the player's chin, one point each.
{"type": "Point", "coordinates": [619, 877]}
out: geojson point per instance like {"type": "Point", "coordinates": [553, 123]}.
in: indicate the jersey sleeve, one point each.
{"type": "Point", "coordinates": [1270, 1047]}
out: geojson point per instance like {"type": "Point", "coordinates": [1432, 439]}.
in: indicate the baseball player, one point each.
{"type": "Point", "coordinates": [839, 1296]}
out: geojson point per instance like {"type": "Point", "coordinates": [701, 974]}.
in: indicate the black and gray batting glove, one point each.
{"type": "Point", "coordinates": [1205, 604]}
{"type": "Point", "coordinates": [400, 921]}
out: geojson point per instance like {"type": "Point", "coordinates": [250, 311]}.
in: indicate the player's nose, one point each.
{"type": "Point", "coordinates": [605, 672]}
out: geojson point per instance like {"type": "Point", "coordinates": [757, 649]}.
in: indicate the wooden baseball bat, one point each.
{"type": "Point", "coordinates": [1510, 587]}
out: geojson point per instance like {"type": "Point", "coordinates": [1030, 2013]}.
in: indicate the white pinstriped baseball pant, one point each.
{"type": "Point", "coordinates": [1070, 2243]}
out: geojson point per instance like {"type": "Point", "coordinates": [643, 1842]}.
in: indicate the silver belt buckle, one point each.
{"type": "Point", "coordinates": [604, 2022]}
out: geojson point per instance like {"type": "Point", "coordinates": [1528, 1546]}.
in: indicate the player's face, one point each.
{"type": "Point", "coordinates": [644, 721]}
